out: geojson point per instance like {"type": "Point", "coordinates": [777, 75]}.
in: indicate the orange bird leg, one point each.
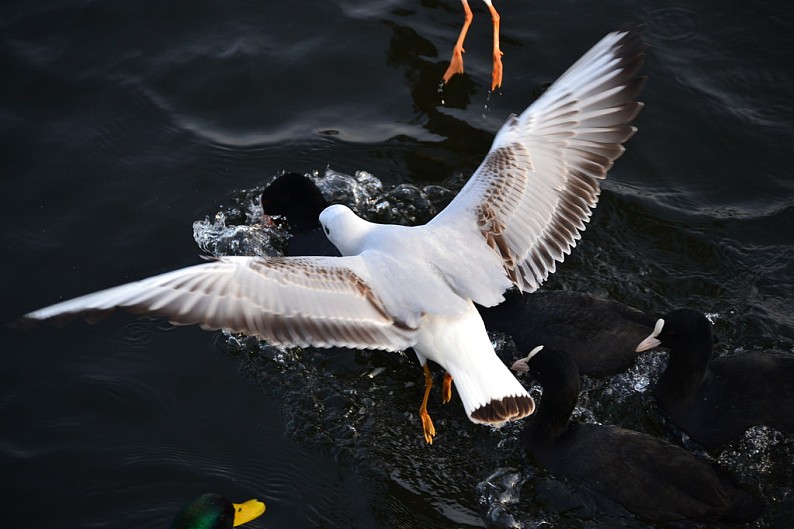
{"type": "Point", "coordinates": [456, 63]}
{"type": "Point", "coordinates": [497, 52]}
{"type": "Point", "coordinates": [427, 424]}
{"type": "Point", "coordinates": [446, 388]}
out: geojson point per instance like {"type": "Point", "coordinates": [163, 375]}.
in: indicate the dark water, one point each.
{"type": "Point", "coordinates": [124, 122]}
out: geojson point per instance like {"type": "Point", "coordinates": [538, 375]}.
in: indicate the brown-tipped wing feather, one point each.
{"type": "Point", "coordinates": [532, 195]}
{"type": "Point", "coordinates": [301, 301]}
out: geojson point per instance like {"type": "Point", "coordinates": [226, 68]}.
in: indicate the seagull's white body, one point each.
{"type": "Point", "coordinates": [397, 287]}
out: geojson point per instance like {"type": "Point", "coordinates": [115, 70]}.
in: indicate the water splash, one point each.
{"type": "Point", "coordinates": [640, 377]}
{"type": "Point", "coordinates": [752, 455]}
{"type": "Point", "coordinates": [498, 493]}
{"type": "Point", "coordinates": [357, 192]}
{"type": "Point", "coordinates": [241, 228]}
{"type": "Point", "coordinates": [487, 107]}
{"type": "Point", "coordinates": [219, 236]}
{"type": "Point", "coordinates": [440, 90]}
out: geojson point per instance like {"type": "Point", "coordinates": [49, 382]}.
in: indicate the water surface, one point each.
{"type": "Point", "coordinates": [123, 122]}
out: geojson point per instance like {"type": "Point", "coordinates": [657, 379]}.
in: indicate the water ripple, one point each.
{"type": "Point", "coordinates": [140, 332]}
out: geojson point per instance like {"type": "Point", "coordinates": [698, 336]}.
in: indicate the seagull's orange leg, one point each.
{"type": "Point", "coordinates": [427, 424]}
{"type": "Point", "coordinates": [496, 75]}
{"type": "Point", "coordinates": [456, 63]}
{"type": "Point", "coordinates": [446, 388]}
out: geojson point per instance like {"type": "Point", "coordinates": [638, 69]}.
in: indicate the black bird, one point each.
{"type": "Point", "coordinates": [298, 199]}
{"type": "Point", "coordinates": [652, 478]}
{"type": "Point", "coordinates": [715, 401]}
{"type": "Point", "coordinates": [601, 335]}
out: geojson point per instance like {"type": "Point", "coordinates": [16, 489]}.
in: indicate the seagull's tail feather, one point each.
{"type": "Point", "coordinates": [507, 409]}
{"type": "Point", "coordinates": [490, 393]}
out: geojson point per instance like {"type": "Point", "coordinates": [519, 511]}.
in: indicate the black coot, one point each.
{"type": "Point", "coordinates": [715, 401]}
{"type": "Point", "coordinates": [601, 335]}
{"type": "Point", "coordinates": [652, 478]}
{"type": "Point", "coordinates": [298, 199]}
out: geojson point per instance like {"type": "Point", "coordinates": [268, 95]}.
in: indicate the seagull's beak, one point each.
{"type": "Point", "coordinates": [247, 511]}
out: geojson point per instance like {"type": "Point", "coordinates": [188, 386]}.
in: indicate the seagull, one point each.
{"type": "Point", "coordinates": [397, 287]}
{"type": "Point", "coordinates": [456, 63]}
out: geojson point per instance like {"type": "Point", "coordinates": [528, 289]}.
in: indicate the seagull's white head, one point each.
{"type": "Point", "coordinates": [344, 228]}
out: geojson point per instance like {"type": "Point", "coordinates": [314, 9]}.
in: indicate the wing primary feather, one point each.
{"type": "Point", "coordinates": [250, 295]}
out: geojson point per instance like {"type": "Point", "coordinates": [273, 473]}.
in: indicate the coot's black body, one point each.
{"type": "Point", "coordinates": [716, 400]}
{"type": "Point", "coordinates": [652, 478]}
{"type": "Point", "coordinates": [601, 335]}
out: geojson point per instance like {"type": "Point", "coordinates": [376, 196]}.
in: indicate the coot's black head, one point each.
{"type": "Point", "coordinates": [556, 371]}
{"type": "Point", "coordinates": [296, 197]}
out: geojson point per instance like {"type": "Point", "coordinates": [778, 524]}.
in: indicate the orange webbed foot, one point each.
{"type": "Point", "coordinates": [427, 424]}
{"type": "Point", "coordinates": [455, 64]}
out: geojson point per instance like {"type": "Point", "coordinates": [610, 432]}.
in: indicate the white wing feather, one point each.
{"type": "Point", "coordinates": [525, 206]}
{"type": "Point", "coordinates": [317, 301]}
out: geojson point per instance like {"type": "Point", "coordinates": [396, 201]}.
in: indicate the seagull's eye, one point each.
{"type": "Point", "coordinates": [327, 230]}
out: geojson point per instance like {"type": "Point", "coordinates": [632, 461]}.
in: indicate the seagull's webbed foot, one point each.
{"type": "Point", "coordinates": [446, 388]}
{"type": "Point", "coordinates": [456, 62]}
{"type": "Point", "coordinates": [427, 423]}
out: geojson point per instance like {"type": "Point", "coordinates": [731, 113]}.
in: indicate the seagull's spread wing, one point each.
{"type": "Point", "coordinates": [318, 301]}
{"type": "Point", "coordinates": [525, 206]}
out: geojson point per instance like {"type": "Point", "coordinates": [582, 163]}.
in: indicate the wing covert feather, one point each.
{"type": "Point", "coordinates": [298, 301]}
{"type": "Point", "coordinates": [532, 195]}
